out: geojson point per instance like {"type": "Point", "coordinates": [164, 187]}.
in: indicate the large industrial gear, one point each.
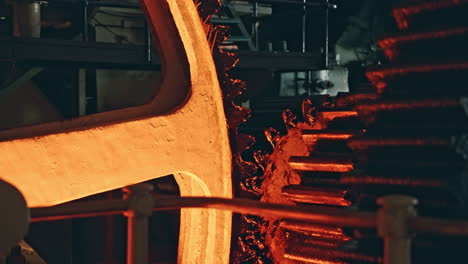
{"type": "Point", "coordinates": [408, 136]}
{"type": "Point", "coordinates": [201, 107]}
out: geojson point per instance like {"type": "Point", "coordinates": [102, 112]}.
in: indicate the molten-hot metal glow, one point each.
{"type": "Point", "coordinates": [312, 260]}
{"type": "Point", "coordinates": [392, 181]}
{"type": "Point", "coordinates": [368, 142]}
{"type": "Point", "coordinates": [62, 161]}
{"type": "Point", "coordinates": [311, 164]}
{"type": "Point", "coordinates": [328, 196]}
{"type": "Point", "coordinates": [330, 115]}
{"type": "Point", "coordinates": [317, 231]}
{"type": "Point", "coordinates": [389, 45]}
{"type": "Point", "coordinates": [311, 137]}
{"type": "Point", "coordinates": [378, 77]}
{"type": "Point", "coordinates": [402, 14]}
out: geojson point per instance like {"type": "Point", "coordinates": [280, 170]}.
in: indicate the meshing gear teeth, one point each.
{"type": "Point", "coordinates": [407, 137]}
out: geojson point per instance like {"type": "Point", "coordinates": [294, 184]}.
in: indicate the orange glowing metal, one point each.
{"type": "Point", "coordinates": [403, 14]}
{"type": "Point", "coordinates": [182, 131]}
{"type": "Point", "coordinates": [315, 164]}
{"type": "Point", "coordinates": [312, 260]}
{"type": "Point", "coordinates": [303, 194]}
{"type": "Point", "coordinates": [310, 137]}
{"type": "Point", "coordinates": [331, 115]}
{"type": "Point", "coordinates": [327, 232]}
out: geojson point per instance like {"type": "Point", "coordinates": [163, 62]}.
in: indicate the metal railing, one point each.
{"type": "Point", "coordinates": [396, 221]}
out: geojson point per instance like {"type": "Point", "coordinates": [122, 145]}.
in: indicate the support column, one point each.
{"type": "Point", "coordinates": [392, 226]}
{"type": "Point", "coordinates": [141, 205]}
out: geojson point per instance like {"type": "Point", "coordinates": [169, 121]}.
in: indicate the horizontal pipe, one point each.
{"type": "Point", "coordinates": [429, 225]}
{"type": "Point", "coordinates": [78, 210]}
{"type": "Point", "coordinates": [321, 4]}
{"type": "Point", "coordinates": [163, 203]}
{"type": "Point", "coordinates": [329, 216]}
{"type": "Point", "coordinates": [117, 4]}
{"type": "Point", "coordinates": [114, 4]}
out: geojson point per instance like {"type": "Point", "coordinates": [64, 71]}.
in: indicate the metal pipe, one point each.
{"type": "Point", "coordinates": [392, 226]}
{"type": "Point", "coordinates": [255, 24]}
{"type": "Point", "coordinates": [289, 2]}
{"type": "Point", "coordinates": [326, 44]}
{"type": "Point", "coordinates": [27, 19]}
{"type": "Point", "coordinates": [141, 204]}
{"type": "Point", "coordinates": [304, 25]}
{"type": "Point", "coordinates": [339, 217]}
{"type": "Point", "coordinates": [85, 21]}
{"type": "Point", "coordinates": [117, 4]}
{"type": "Point", "coordinates": [78, 210]}
{"type": "Point", "coordinates": [438, 226]}
{"type": "Point", "coordinates": [148, 43]}
{"type": "Point", "coordinates": [326, 216]}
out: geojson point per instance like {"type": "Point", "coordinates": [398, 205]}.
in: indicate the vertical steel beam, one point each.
{"type": "Point", "coordinates": [392, 226]}
{"type": "Point", "coordinates": [304, 27]}
{"type": "Point", "coordinates": [141, 205]}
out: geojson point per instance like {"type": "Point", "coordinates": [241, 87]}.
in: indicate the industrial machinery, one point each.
{"type": "Point", "coordinates": [405, 136]}
{"type": "Point", "coordinates": [319, 188]}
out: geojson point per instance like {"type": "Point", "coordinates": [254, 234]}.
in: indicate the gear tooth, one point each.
{"type": "Point", "coordinates": [229, 59]}
{"type": "Point", "coordinates": [308, 112]}
{"type": "Point", "coordinates": [244, 142]}
{"type": "Point", "coordinates": [207, 8]}
{"type": "Point", "coordinates": [273, 136]}
{"type": "Point", "coordinates": [328, 102]}
{"type": "Point", "coordinates": [289, 119]}
{"type": "Point", "coordinates": [222, 33]}
{"type": "Point", "coordinates": [237, 115]}
{"type": "Point", "coordinates": [250, 182]}
{"type": "Point", "coordinates": [234, 88]}
{"type": "Point", "coordinates": [261, 158]}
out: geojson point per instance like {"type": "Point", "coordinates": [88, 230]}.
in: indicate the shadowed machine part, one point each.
{"type": "Point", "coordinates": [408, 137]}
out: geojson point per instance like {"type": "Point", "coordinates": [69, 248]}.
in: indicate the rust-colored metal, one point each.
{"type": "Point", "coordinates": [368, 111]}
{"type": "Point", "coordinates": [78, 210]}
{"type": "Point", "coordinates": [331, 216]}
{"type": "Point", "coordinates": [318, 195]}
{"type": "Point", "coordinates": [312, 136]}
{"type": "Point", "coordinates": [390, 45]}
{"type": "Point", "coordinates": [404, 13]}
{"type": "Point", "coordinates": [331, 115]}
{"type": "Point", "coordinates": [378, 76]}
{"type": "Point", "coordinates": [309, 254]}
{"type": "Point", "coordinates": [365, 142]}
{"type": "Point", "coordinates": [330, 164]}
{"type": "Point", "coordinates": [427, 225]}
{"type": "Point", "coordinates": [316, 231]}
{"type": "Point", "coordinates": [392, 181]}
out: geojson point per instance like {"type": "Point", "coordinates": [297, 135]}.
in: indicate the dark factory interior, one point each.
{"type": "Point", "coordinates": [233, 131]}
